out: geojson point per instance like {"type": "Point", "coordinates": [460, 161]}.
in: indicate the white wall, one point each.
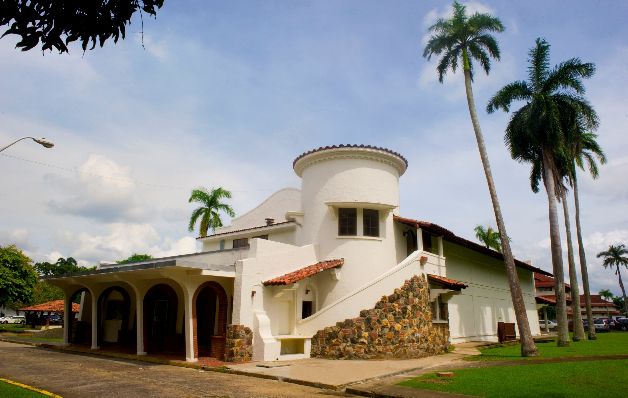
{"type": "Point", "coordinates": [363, 182]}
{"type": "Point", "coordinates": [473, 315]}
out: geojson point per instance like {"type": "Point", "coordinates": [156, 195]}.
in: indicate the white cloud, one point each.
{"type": "Point", "coordinates": [104, 191]}
{"type": "Point", "coordinates": [156, 48]}
{"type": "Point", "coordinates": [19, 237]}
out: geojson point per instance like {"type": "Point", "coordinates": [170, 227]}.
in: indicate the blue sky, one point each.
{"type": "Point", "coordinates": [229, 93]}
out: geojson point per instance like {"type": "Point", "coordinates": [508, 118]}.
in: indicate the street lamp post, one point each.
{"type": "Point", "coordinates": [40, 141]}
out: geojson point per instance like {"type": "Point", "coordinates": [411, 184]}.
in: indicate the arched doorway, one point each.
{"type": "Point", "coordinates": [80, 327]}
{"type": "Point", "coordinates": [160, 320]}
{"type": "Point", "coordinates": [210, 305]}
{"type": "Point", "coordinates": [114, 315]}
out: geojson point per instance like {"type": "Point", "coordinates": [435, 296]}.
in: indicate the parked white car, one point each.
{"type": "Point", "coordinates": [13, 319]}
{"type": "Point", "coordinates": [550, 324]}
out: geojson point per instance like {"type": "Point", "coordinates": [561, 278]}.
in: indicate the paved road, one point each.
{"type": "Point", "coordinates": [72, 375]}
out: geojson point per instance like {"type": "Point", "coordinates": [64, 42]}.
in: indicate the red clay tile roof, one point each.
{"type": "Point", "coordinates": [305, 272]}
{"type": "Point", "coordinates": [541, 280]}
{"type": "Point", "coordinates": [551, 298]}
{"type": "Point", "coordinates": [447, 282]}
{"type": "Point", "coordinates": [325, 148]}
{"type": "Point", "coordinates": [51, 306]}
{"type": "Point", "coordinates": [451, 237]}
{"type": "Point", "coordinates": [545, 300]}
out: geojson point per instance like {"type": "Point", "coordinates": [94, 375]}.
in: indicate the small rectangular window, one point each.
{"type": "Point", "coordinates": [443, 310]}
{"type": "Point", "coordinates": [306, 309]}
{"type": "Point", "coordinates": [347, 222]}
{"type": "Point", "coordinates": [238, 243]}
{"type": "Point", "coordinates": [370, 219]}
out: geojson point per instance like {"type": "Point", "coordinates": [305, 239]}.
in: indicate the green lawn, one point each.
{"type": "Point", "coordinates": [12, 327]}
{"type": "Point", "coordinates": [606, 344]}
{"type": "Point", "coordinates": [568, 379]}
{"type": "Point", "coordinates": [9, 390]}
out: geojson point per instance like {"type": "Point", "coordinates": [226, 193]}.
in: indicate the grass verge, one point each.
{"type": "Point", "coordinates": [13, 391]}
{"type": "Point", "coordinates": [613, 343]}
{"type": "Point", "coordinates": [567, 379]}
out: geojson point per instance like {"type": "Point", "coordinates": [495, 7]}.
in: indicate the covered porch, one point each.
{"type": "Point", "coordinates": [177, 307]}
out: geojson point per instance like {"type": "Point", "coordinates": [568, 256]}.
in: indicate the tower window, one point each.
{"type": "Point", "coordinates": [347, 222]}
{"type": "Point", "coordinates": [371, 222]}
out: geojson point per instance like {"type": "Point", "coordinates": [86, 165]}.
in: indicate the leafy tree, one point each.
{"type": "Point", "coordinates": [57, 23]}
{"type": "Point", "coordinates": [461, 40]}
{"type": "Point", "coordinates": [608, 296]}
{"type": "Point", "coordinates": [489, 237]}
{"type": "Point", "coordinates": [44, 291]}
{"type": "Point", "coordinates": [535, 135]}
{"type": "Point", "coordinates": [135, 258]}
{"type": "Point", "coordinates": [209, 211]}
{"type": "Point", "coordinates": [17, 276]}
{"type": "Point", "coordinates": [616, 256]}
{"type": "Point", "coordinates": [61, 267]}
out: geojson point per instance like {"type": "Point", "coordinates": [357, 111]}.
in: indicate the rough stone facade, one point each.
{"type": "Point", "coordinates": [400, 326]}
{"type": "Point", "coordinates": [239, 344]}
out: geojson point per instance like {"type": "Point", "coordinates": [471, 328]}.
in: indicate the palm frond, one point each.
{"type": "Point", "coordinates": [515, 91]}
{"type": "Point", "coordinates": [539, 64]}
{"type": "Point", "coordinates": [568, 75]}
{"type": "Point", "coordinates": [194, 217]}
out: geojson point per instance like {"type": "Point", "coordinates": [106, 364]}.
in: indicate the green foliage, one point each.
{"type": "Point", "coordinates": [489, 237]}
{"type": "Point", "coordinates": [135, 258]}
{"type": "Point", "coordinates": [17, 276]}
{"type": "Point", "coordinates": [44, 292]}
{"type": "Point", "coordinates": [462, 39]}
{"type": "Point", "coordinates": [61, 267]}
{"type": "Point", "coordinates": [545, 130]}
{"type": "Point", "coordinates": [606, 294]}
{"type": "Point", "coordinates": [57, 23]}
{"type": "Point", "coordinates": [615, 256]}
{"type": "Point", "coordinates": [209, 211]}
{"type": "Point", "coordinates": [567, 379]}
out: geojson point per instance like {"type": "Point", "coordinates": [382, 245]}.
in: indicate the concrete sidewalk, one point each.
{"type": "Point", "coordinates": [337, 374]}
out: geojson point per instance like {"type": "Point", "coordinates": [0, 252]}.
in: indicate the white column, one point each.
{"type": "Point", "coordinates": [94, 321]}
{"type": "Point", "coordinates": [139, 321]}
{"type": "Point", "coordinates": [189, 325]}
{"type": "Point", "coordinates": [67, 318]}
{"type": "Point", "coordinates": [419, 239]}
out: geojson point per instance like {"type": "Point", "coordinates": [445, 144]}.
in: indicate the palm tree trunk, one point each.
{"type": "Point", "coordinates": [578, 328]}
{"type": "Point", "coordinates": [528, 347]}
{"type": "Point", "coordinates": [584, 272]}
{"type": "Point", "coordinates": [557, 255]}
{"type": "Point", "coordinates": [623, 291]}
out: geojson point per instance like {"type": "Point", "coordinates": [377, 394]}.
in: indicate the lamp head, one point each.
{"type": "Point", "coordinates": [43, 142]}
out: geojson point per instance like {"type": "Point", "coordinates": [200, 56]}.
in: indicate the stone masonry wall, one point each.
{"type": "Point", "coordinates": [239, 344]}
{"type": "Point", "coordinates": [400, 326]}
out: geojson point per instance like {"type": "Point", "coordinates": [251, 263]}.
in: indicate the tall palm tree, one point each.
{"type": "Point", "coordinates": [608, 296]}
{"type": "Point", "coordinates": [489, 237]}
{"type": "Point", "coordinates": [614, 257]}
{"type": "Point", "coordinates": [461, 40]}
{"type": "Point", "coordinates": [209, 211]}
{"type": "Point", "coordinates": [535, 135]}
{"type": "Point", "coordinates": [584, 149]}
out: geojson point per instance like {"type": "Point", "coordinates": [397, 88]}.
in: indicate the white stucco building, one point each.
{"type": "Point", "coordinates": [303, 260]}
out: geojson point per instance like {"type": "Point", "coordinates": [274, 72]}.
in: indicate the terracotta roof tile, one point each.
{"type": "Point", "coordinates": [451, 237]}
{"type": "Point", "coordinates": [447, 282]}
{"type": "Point", "coordinates": [305, 272]}
{"type": "Point", "coordinates": [51, 306]}
{"type": "Point", "coordinates": [325, 148]}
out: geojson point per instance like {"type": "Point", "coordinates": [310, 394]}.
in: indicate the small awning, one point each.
{"type": "Point", "coordinates": [446, 282]}
{"type": "Point", "coordinates": [305, 272]}
{"type": "Point", "coordinates": [51, 306]}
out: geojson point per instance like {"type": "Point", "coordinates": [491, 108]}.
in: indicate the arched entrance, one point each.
{"type": "Point", "coordinates": [115, 319]}
{"type": "Point", "coordinates": [210, 306]}
{"type": "Point", "coordinates": [80, 327]}
{"type": "Point", "coordinates": [160, 320]}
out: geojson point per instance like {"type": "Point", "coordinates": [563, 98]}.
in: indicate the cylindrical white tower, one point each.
{"type": "Point", "coordinates": [348, 196]}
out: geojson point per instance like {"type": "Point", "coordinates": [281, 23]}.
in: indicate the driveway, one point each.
{"type": "Point", "coordinates": [72, 375]}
